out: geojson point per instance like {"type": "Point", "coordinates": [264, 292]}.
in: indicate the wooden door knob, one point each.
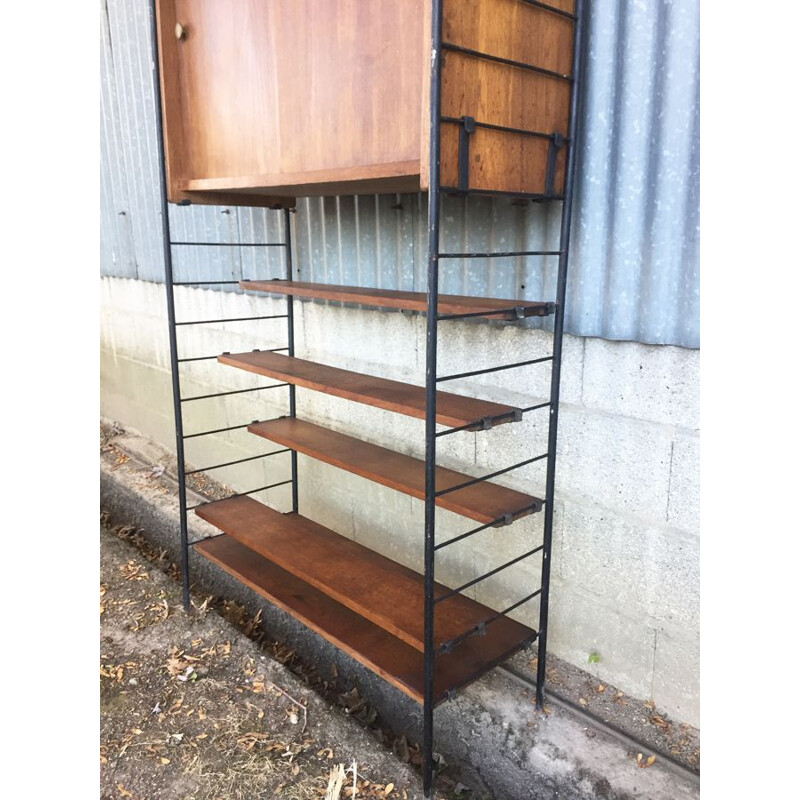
{"type": "Point", "coordinates": [180, 32]}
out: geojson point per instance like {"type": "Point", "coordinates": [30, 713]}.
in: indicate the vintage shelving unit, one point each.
{"type": "Point", "coordinates": [263, 101]}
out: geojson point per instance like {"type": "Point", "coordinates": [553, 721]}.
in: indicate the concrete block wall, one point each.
{"type": "Point", "coordinates": [626, 552]}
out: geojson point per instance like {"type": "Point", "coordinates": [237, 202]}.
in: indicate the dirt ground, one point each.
{"type": "Point", "coordinates": [193, 709]}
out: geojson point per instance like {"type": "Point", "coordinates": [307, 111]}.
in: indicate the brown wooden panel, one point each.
{"type": "Point", "coordinates": [282, 90]}
{"type": "Point", "coordinates": [404, 398]}
{"type": "Point", "coordinates": [501, 162]}
{"type": "Point", "coordinates": [510, 29]}
{"type": "Point", "coordinates": [370, 645]}
{"type": "Point", "coordinates": [381, 590]}
{"type": "Point", "coordinates": [409, 301]}
{"type": "Point", "coordinates": [499, 94]}
{"type": "Point", "coordinates": [483, 502]}
{"type": "Point", "coordinates": [562, 5]}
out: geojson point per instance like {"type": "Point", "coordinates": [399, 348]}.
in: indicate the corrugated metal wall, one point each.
{"type": "Point", "coordinates": [635, 267]}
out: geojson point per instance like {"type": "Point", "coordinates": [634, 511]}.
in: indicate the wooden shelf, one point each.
{"type": "Point", "coordinates": [375, 587]}
{"type": "Point", "coordinates": [392, 659]}
{"type": "Point", "coordinates": [408, 301]}
{"type": "Point", "coordinates": [483, 502]}
{"type": "Point", "coordinates": [404, 398]}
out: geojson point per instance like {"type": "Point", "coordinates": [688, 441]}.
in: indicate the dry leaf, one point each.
{"type": "Point", "coordinates": [601, 688]}
{"type": "Point", "coordinates": [643, 762]}
{"type": "Point", "coordinates": [583, 701]}
{"type": "Point", "coordinates": [164, 760]}
{"type": "Point", "coordinates": [388, 789]}
{"type": "Point", "coordinates": [123, 791]}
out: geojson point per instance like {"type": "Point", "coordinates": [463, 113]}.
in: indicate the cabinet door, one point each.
{"type": "Point", "coordinates": [293, 95]}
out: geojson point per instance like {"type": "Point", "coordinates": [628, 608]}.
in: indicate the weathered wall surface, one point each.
{"type": "Point", "coordinates": [626, 560]}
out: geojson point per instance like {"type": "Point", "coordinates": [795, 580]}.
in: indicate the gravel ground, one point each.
{"type": "Point", "coordinates": [193, 709]}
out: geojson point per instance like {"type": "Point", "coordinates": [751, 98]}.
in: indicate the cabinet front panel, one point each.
{"type": "Point", "coordinates": [271, 88]}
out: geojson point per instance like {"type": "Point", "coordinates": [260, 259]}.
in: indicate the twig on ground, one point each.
{"type": "Point", "coordinates": [297, 703]}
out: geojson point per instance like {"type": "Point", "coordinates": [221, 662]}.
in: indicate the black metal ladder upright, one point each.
{"type": "Point", "coordinates": [176, 361]}
{"type": "Point", "coordinates": [468, 124]}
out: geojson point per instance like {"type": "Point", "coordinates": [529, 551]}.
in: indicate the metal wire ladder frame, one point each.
{"type": "Point", "coordinates": [176, 361]}
{"type": "Point", "coordinates": [438, 46]}
{"type": "Point", "coordinates": [431, 377]}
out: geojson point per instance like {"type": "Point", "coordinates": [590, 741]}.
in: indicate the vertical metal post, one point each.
{"type": "Point", "coordinates": [287, 215]}
{"type": "Point", "coordinates": [168, 282]}
{"type": "Point", "coordinates": [430, 391]}
{"type": "Point", "coordinates": [558, 335]}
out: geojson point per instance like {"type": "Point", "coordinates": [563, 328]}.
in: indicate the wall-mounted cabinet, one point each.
{"type": "Point", "coordinates": [265, 100]}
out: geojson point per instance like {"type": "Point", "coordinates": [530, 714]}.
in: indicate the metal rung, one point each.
{"type": "Point", "coordinates": [228, 244]}
{"type": "Point", "coordinates": [208, 358]}
{"type": "Point", "coordinates": [484, 423]}
{"type": "Point", "coordinates": [238, 461]}
{"type": "Point", "coordinates": [218, 430]}
{"type": "Point", "coordinates": [239, 494]}
{"type": "Point", "coordinates": [507, 61]}
{"type": "Point", "coordinates": [506, 519]}
{"type": "Point", "coordinates": [553, 9]}
{"type": "Point", "coordinates": [518, 311]}
{"type": "Point", "coordinates": [480, 628]}
{"type": "Point", "coordinates": [502, 128]}
{"type": "Point", "coordinates": [508, 254]}
{"type": "Point", "coordinates": [494, 369]}
{"type": "Point", "coordinates": [535, 408]}
{"type": "Point", "coordinates": [472, 426]}
{"type": "Point", "coordinates": [498, 193]}
{"type": "Point", "coordinates": [236, 391]}
{"type": "Point", "coordinates": [488, 574]}
{"type": "Point", "coordinates": [205, 538]}
{"type": "Point", "coordinates": [232, 319]}
{"type": "Point", "coordinates": [205, 283]}
{"type": "Point", "coordinates": [483, 478]}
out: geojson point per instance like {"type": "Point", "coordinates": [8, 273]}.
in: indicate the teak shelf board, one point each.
{"type": "Point", "coordinates": [409, 301]}
{"type": "Point", "coordinates": [370, 645]}
{"type": "Point", "coordinates": [377, 588]}
{"type": "Point", "coordinates": [404, 398]}
{"type": "Point", "coordinates": [484, 502]}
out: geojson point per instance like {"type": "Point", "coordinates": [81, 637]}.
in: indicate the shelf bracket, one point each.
{"type": "Point", "coordinates": [556, 143]}
{"type": "Point", "coordinates": [465, 130]}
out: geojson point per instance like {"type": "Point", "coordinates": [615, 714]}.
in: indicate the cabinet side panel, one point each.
{"type": "Point", "coordinates": [510, 29]}
{"type": "Point", "coordinates": [495, 93]}
{"type": "Point", "coordinates": [501, 162]}
{"type": "Point", "coordinates": [172, 118]}
{"type": "Point", "coordinates": [425, 115]}
{"type": "Point", "coordinates": [499, 94]}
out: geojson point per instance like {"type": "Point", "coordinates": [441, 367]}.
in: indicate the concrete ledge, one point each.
{"type": "Point", "coordinates": [501, 744]}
